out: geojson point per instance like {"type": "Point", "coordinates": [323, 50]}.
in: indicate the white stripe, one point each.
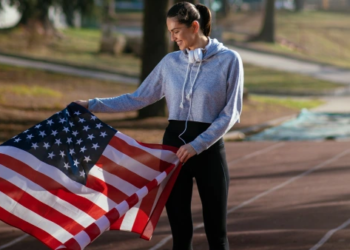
{"type": "Point", "coordinates": [329, 235]}
{"type": "Point", "coordinates": [165, 155]}
{"type": "Point", "coordinates": [130, 164]}
{"type": "Point", "coordinates": [122, 208]}
{"type": "Point", "coordinates": [161, 177]}
{"type": "Point", "coordinates": [97, 198]}
{"type": "Point", "coordinates": [45, 197]}
{"type": "Point", "coordinates": [141, 193]}
{"type": "Point", "coordinates": [83, 239]}
{"type": "Point", "coordinates": [34, 219]}
{"type": "Point", "coordinates": [103, 223]}
{"type": "Point", "coordinates": [130, 217]}
{"type": "Point", "coordinates": [120, 184]}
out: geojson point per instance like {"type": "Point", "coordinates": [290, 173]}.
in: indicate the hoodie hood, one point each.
{"type": "Point", "coordinates": [214, 47]}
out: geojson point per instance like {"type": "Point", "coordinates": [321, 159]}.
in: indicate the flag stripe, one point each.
{"type": "Point", "coordinates": [46, 198]}
{"type": "Point", "coordinates": [52, 186]}
{"type": "Point", "coordinates": [118, 183]}
{"type": "Point", "coordinates": [38, 207]}
{"type": "Point", "coordinates": [129, 163]}
{"type": "Point", "coordinates": [123, 173]}
{"type": "Point", "coordinates": [11, 219]}
{"type": "Point", "coordinates": [140, 155]}
{"type": "Point", "coordinates": [25, 214]}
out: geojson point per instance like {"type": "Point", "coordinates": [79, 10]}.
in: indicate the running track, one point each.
{"type": "Point", "coordinates": [283, 196]}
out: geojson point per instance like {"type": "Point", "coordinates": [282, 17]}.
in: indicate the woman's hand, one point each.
{"type": "Point", "coordinates": [84, 103]}
{"type": "Point", "coordinates": [185, 152]}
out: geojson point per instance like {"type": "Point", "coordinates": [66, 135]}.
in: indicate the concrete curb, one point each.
{"type": "Point", "coordinates": [239, 135]}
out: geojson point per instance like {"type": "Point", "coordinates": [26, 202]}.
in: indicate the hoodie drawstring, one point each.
{"type": "Point", "coordinates": [183, 88]}
{"type": "Point", "coordinates": [188, 96]}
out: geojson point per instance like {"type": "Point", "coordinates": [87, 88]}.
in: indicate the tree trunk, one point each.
{"type": "Point", "coordinates": [267, 33]}
{"type": "Point", "coordinates": [225, 9]}
{"type": "Point", "coordinates": [155, 47]}
{"type": "Point", "coordinates": [299, 5]}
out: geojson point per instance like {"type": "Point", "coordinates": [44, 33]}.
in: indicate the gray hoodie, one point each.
{"type": "Point", "coordinates": [209, 91]}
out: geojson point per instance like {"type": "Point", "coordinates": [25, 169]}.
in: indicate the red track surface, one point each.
{"type": "Point", "coordinates": [283, 196]}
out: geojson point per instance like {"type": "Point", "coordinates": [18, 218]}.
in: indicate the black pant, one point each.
{"type": "Point", "coordinates": [209, 168]}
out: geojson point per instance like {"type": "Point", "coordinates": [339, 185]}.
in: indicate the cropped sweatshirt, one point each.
{"type": "Point", "coordinates": [209, 91]}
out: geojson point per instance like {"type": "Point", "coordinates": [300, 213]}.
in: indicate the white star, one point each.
{"type": "Point", "coordinates": [59, 112]}
{"type": "Point", "coordinates": [50, 122]}
{"type": "Point", "coordinates": [103, 134]}
{"type": "Point", "coordinates": [91, 137]}
{"type": "Point", "coordinates": [95, 146]}
{"type": "Point", "coordinates": [71, 151]}
{"type": "Point", "coordinates": [86, 128]}
{"type": "Point", "coordinates": [42, 133]}
{"type": "Point", "coordinates": [75, 133]}
{"type": "Point", "coordinates": [65, 129]}
{"type": "Point", "coordinates": [35, 145]}
{"type": "Point", "coordinates": [77, 113]}
{"type": "Point", "coordinates": [18, 139]}
{"type": "Point", "coordinates": [62, 154]}
{"type": "Point", "coordinates": [82, 174]}
{"type": "Point", "coordinates": [87, 158]}
{"type": "Point", "coordinates": [26, 131]}
{"type": "Point", "coordinates": [71, 124]}
{"type": "Point", "coordinates": [46, 145]}
{"type": "Point", "coordinates": [38, 126]}
{"type": "Point", "coordinates": [62, 120]}
{"type": "Point", "coordinates": [66, 165]}
{"type": "Point", "coordinates": [30, 137]}
{"type": "Point", "coordinates": [54, 132]}
{"type": "Point", "coordinates": [93, 117]}
{"type": "Point", "coordinates": [83, 149]}
{"type": "Point", "coordinates": [51, 155]}
{"type": "Point", "coordinates": [14, 137]}
{"type": "Point", "coordinates": [81, 120]}
{"type": "Point", "coordinates": [79, 141]}
{"type": "Point", "coordinates": [58, 142]}
{"type": "Point", "coordinates": [76, 163]}
{"type": "Point", "coordinates": [99, 125]}
{"type": "Point", "coordinates": [69, 140]}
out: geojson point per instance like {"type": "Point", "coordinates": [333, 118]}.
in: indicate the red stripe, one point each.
{"type": "Point", "coordinates": [37, 232]}
{"type": "Point", "coordinates": [147, 233]}
{"type": "Point", "coordinates": [122, 172]}
{"type": "Point", "coordinates": [116, 225]}
{"type": "Point", "coordinates": [93, 231]}
{"type": "Point", "coordinates": [100, 186]}
{"type": "Point", "coordinates": [112, 215]}
{"type": "Point", "coordinates": [52, 186]}
{"type": "Point", "coordinates": [72, 244]}
{"type": "Point", "coordinates": [159, 146]}
{"type": "Point", "coordinates": [39, 208]}
{"type": "Point", "coordinates": [139, 154]}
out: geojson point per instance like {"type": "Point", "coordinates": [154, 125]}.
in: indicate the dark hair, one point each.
{"type": "Point", "coordinates": [186, 13]}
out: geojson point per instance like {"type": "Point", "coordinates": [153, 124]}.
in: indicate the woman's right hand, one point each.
{"type": "Point", "coordinates": [84, 103]}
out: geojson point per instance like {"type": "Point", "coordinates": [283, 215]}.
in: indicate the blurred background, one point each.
{"type": "Point", "coordinates": [296, 56]}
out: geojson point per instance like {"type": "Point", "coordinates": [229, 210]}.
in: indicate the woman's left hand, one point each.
{"type": "Point", "coordinates": [185, 152]}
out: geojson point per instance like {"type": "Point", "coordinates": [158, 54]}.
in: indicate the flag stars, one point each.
{"type": "Point", "coordinates": [87, 158]}
{"type": "Point", "coordinates": [81, 120]}
{"type": "Point", "coordinates": [58, 142]}
{"type": "Point", "coordinates": [95, 146]}
{"type": "Point", "coordinates": [79, 141]}
{"type": "Point", "coordinates": [71, 124]}
{"type": "Point", "coordinates": [18, 139]}
{"type": "Point", "coordinates": [69, 140]}
{"type": "Point", "coordinates": [66, 129]}
{"type": "Point", "coordinates": [76, 163]}
{"type": "Point", "coordinates": [26, 131]}
{"type": "Point", "coordinates": [77, 113]}
{"type": "Point", "coordinates": [86, 128]}
{"type": "Point", "coordinates": [51, 155]}
{"type": "Point", "coordinates": [30, 137]}
{"type": "Point", "coordinates": [50, 122]}
{"type": "Point", "coordinates": [71, 151]}
{"type": "Point", "coordinates": [38, 126]}
{"type": "Point", "coordinates": [91, 137]}
{"type": "Point", "coordinates": [35, 145]}
{"type": "Point", "coordinates": [62, 120]}
{"type": "Point", "coordinates": [46, 145]}
{"type": "Point", "coordinates": [82, 173]}
{"type": "Point", "coordinates": [54, 132]}
{"type": "Point", "coordinates": [42, 133]}
{"type": "Point", "coordinates": [62, 154]}
{"type": "Point", "coordinates": [66, 165]}
{"type": "Point", "coordinates": [99, 125]}
{"type": "Point", "coordinates": [75, 133]}
{"type": "Point", "coordinates": [83, 149]}
{"type": "Point", "coordinates": [103, 134]}
{"type": "Point", "coordinates": [93, 117]}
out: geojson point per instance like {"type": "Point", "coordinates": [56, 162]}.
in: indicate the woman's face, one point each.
{"type": "Point", "coordinates": [181, 34]}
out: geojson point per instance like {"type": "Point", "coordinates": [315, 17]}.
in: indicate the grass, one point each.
{"type": "Point", "coordinates": [296, 104]}
{"type": "Point", "coordinates": [313, 35]}
{"type": "Point", "coordinates": [23, 90]}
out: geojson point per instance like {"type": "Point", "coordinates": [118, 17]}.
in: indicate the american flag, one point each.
{"type": "Point", "coordinates": [71, 177]}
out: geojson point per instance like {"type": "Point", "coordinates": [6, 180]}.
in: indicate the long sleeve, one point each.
{"type": "Point", "coordinates": [150, 91]}
{"type": "Point", "coordinates": [230, 114]}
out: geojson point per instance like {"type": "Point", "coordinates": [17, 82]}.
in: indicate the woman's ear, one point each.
{"type": "Point", "coordinates": [195, 26]}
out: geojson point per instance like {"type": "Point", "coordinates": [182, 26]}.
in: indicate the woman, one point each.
{"type": "Point", "coordinates": [203, 85]}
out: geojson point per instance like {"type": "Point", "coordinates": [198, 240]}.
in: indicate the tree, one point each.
{"type": "Point", "coordinates": [299, 5]}
{"type": "Point", "coordinates": [155, 47]}
{"type": "Point", "coordinates": [267, 33]}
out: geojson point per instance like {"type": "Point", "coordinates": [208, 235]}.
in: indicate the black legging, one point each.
{"type": "Point", "coordinates": [210, 171]}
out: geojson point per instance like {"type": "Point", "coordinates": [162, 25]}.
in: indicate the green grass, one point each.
{"type": "Point", "coordinates": [296, 104]}
{"type": "Point", "coordinates": [22, 90]}
{"type": "Point", "coordinates": [313, 35]}
{"type": "Point", "coordinates": [258, 79]}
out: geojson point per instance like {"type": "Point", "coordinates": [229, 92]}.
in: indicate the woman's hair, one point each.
{"type": "Point", "coordinates": [186, 13]}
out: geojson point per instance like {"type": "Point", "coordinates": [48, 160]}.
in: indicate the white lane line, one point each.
{"type": "Point", "coordinates": [329, 235]}
{"type": "Point", "coordinates": [14, 241]}
{"type": "Point", "coordinates": [165, 240]}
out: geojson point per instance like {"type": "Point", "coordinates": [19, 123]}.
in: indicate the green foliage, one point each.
{"type": "Point", "coordinates": [23, 90]}
{"type": "Point", "coordinates": [296, 104]}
